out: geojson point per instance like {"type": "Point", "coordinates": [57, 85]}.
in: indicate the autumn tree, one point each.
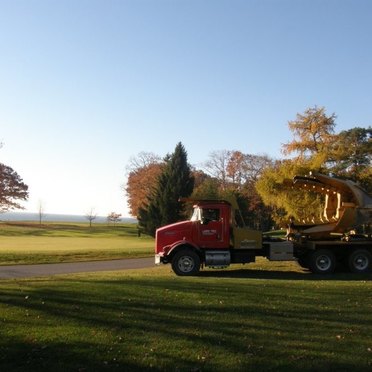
{"type": "Point", "coordinates": [233, 172]}
{"type": "Point", "coordinates": [313, 134]}
{"type": "Point", "coordinates": [175, 181]}
{"type": "Point", "coordinates": [141, 160]}
{"type": "Point", "coordinates": [205, 187]}
{"type": "Point", "coordinates": [114, 217]}
{"type": "Point", "coordinates": [234, 169]}
{"type": "Point", "coordinates": [243, 172]}
{"type": "Point", "coordinates": [12, 189]}
{"type": "Point", "coordinates": [144, 170]}
{"type": "Point", "coordinates": [243, 169]}
{"type": "Point", "coordinates": [216, 166]}
{"type": "Point", "coordinates": [208, 189]}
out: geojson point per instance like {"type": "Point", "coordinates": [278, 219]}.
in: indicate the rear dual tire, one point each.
{"type": "Point", "coordinates": [322, 261]}
{"type": "Point", "coordinates": [360, 261]}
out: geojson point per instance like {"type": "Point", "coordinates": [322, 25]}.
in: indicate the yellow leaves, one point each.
{"type": "Point", "coordinates": [312, 131]}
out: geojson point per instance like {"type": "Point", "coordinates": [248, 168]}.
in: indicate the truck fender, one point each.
{"type": "Point", "coordinates": [182, 244]}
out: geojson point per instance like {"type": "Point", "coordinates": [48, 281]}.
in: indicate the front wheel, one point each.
{"type": "Point", "coordinates": [360, 261]}
{"type": "Point", "coordinates": [186, 262]}
{"type": "Point", "coordinates": [322, 261]}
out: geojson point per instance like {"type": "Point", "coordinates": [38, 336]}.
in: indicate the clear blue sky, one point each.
{"type": "Point", "coordinates": [86, 84]}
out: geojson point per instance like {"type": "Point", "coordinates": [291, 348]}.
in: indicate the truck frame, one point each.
{"type": "Point", "coordinates": [216, 235]}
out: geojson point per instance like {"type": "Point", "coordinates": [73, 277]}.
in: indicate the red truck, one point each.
{"type": "Point", "coordinates": [215, 236]}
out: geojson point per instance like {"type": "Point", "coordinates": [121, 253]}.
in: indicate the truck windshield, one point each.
{"type": "Point", "coordinates": [205, 214]}
{"type": "Point", "coordinates": [196, 215]}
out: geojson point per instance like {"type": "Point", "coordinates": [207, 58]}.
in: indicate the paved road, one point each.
{"type": "Point", "coordinates": [27, 271]}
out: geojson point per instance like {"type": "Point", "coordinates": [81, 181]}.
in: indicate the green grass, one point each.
{"type": "Point", "coordinates": [263, 316]}
{"type": "Point", "coordinates": [25, 229]}
{"type": "Point", "coordinates": [29, 243]}
{"type": "Point", "coordinates": [267, 316]}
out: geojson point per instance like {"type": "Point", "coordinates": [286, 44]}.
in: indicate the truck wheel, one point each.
{"type": "Point", "coordinates": [322, 261]}
{"type": "Point", "coordinates": [360, 261]}
{"type": "Point", "coordinates": [186, 262]}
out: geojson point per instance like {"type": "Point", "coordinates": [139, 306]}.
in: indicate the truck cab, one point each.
{"type": "Point", "coordinates": [208, 227]}
{"type": "Point", "coordinates": [215, 236]}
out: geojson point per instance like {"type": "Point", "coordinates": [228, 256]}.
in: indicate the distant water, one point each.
{"type": "Point", "coordinates": [50, 217]}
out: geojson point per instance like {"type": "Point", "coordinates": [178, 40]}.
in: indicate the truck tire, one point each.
{"type": "Point", "coordinates": [360, 261]}
{"type": "Point", "coordinates": [186, 263]}
{"type": "Point", "coordinates": [322, 261]}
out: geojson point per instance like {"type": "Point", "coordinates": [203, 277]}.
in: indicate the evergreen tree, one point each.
{"type": "Point", "coordinates": [175, 181]}
{"type": "Point", "coordinates": [351, 156]}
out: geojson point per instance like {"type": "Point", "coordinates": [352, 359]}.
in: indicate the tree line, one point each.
{"type": "Point", "coordinates": [154, 184]}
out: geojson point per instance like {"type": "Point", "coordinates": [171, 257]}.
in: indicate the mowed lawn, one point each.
{"type": "Point", "coordinates": [28, 243]}
{"type": "Point", "coordinates": [252, 318]}
{"type": "Point", "coordinates": [263, 316]}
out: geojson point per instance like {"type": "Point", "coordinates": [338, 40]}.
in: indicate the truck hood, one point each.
{"type": "Point", "coordinates": [173, 233]}
{"type": "Point", "coordinates": [178, 226]}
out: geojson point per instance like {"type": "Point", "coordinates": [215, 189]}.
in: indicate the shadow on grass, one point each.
{"type": "Point", "coordinates": [20, 356]}
{"type": "Point", "coordinates": [167, 323]}
{"type": "Point", "coordinates": [282, 275]}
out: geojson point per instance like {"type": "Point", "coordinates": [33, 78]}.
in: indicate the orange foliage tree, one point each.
{"type": "Point", "coordinates": [140, 185]}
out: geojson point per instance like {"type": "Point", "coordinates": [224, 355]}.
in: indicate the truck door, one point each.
{"type": "Point", "coordinates": [211, 229]}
